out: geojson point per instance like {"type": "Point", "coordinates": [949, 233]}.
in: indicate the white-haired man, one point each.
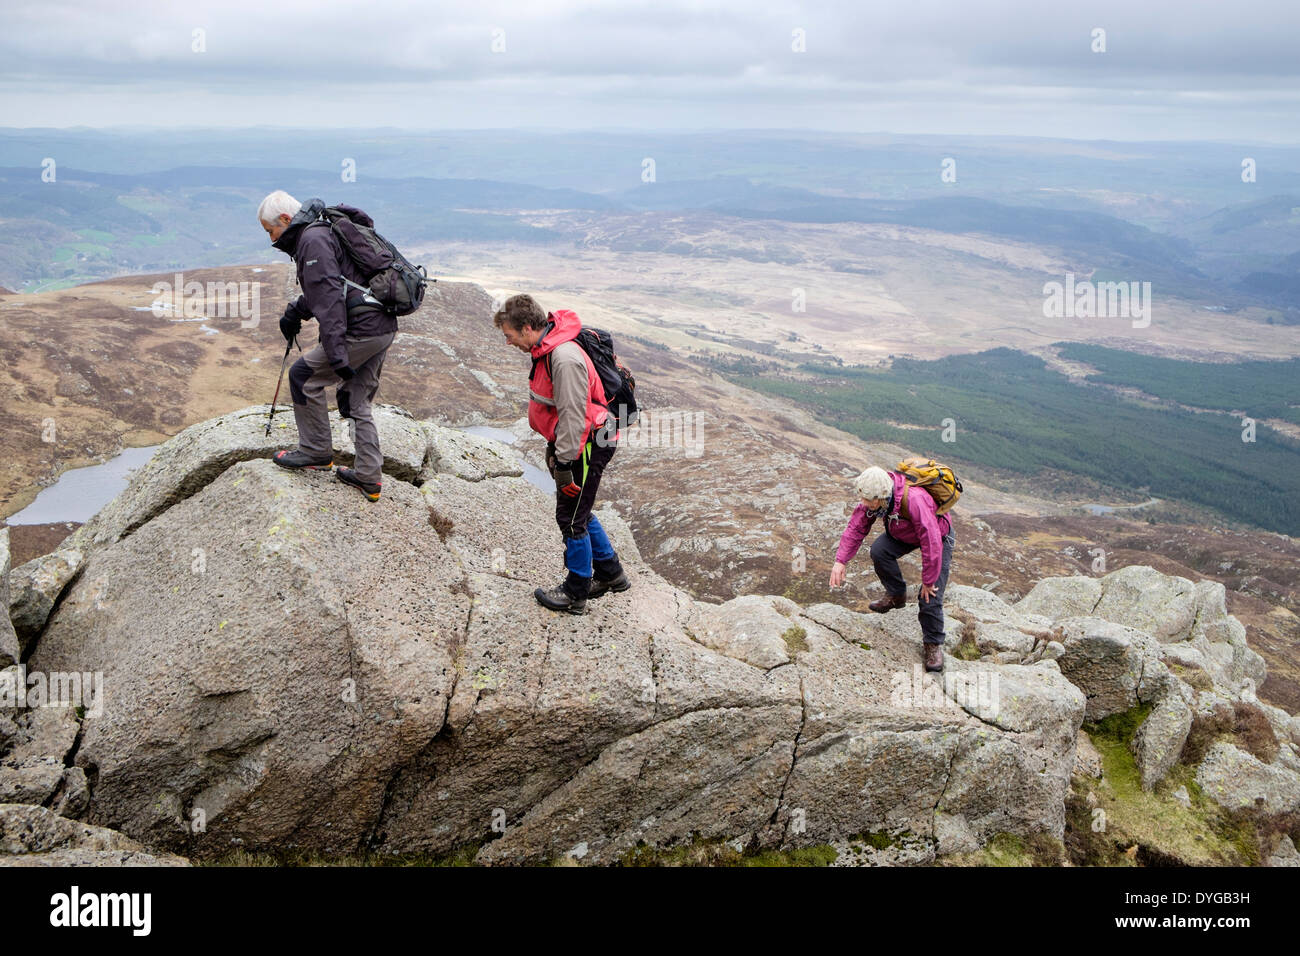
{"type": "Point", "coordinates": [910, 522]}
{"type": "Point", "coordinates": [354, 338]}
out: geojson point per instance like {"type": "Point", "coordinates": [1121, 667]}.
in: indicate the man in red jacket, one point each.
{"type": "Point", "coordinates": [567, 407]}
{"type": "Point", "coordinates": [910, 522]}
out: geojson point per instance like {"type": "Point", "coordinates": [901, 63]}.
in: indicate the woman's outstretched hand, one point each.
{"type": "Point", "coordinates": [837, 575]}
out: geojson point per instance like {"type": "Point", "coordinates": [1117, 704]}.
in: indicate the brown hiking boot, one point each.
{"type": "Point", "coordinates": [888, 603]}
{"type": "Point", "coordinates": [934, 657]}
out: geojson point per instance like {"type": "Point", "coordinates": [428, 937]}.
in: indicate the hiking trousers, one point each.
{"type": "Point", "coordinates": [885, 552]}
{"type": "Point", "coordinates": [308, 378]}
{"type": "Point", "coordinates": [586, 546]}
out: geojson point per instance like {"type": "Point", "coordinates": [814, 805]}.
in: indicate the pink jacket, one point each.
{"type": "Point", "coordinates": [925, 528]}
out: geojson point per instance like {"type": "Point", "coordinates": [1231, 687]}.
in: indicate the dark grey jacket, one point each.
{"type": "Point", "coordinates": [322, 265]}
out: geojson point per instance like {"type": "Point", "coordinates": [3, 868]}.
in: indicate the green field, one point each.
{"type": "Point", "coordinates": [1012, 411]}
{"type": "Point", "coordinates": [1259, 389]}
{"type": "Point", "coordinates": [147, 239]}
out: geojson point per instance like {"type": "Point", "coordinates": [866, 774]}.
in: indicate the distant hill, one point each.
{"type": "Point", "coordinates": [89, 225]}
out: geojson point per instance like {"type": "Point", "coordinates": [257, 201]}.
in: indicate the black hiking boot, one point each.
{"type": "Point", "coordinates": [569, 595]}
{"type": "Point", "coordinates": [558, 599]}
{"type": "Point", "coordinates": [370, 489]}
{"type": "Point", "coordinates": [599, 587]}
{"type": "Point", "coordinates": [295, 459]}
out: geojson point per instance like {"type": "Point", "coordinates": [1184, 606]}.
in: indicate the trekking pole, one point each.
{"type": "Point", "coordinates": [279, 381]}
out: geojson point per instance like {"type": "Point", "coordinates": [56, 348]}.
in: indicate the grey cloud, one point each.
{"type": "Point", "coordinates": [690, 58]}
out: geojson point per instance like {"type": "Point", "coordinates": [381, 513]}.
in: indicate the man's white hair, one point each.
{"type": "Point", "coordinates": [278, 204]}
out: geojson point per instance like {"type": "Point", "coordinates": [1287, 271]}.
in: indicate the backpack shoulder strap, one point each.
{"type": "Point", "coordinates": [902, 505]}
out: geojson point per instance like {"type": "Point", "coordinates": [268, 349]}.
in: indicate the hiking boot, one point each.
{"type": "Point", "coordinates": [368, 488]}
{"type": "Point", "coordinates": [599, 587]}
{"type": "Point", "coordinates": [888, 603]}
{"type": "Point", "coordinates": [934, 657]}
{"type": "Point", "coordinates": [559, 599]}
{"type": "Point", "coordinates": [296, 459]}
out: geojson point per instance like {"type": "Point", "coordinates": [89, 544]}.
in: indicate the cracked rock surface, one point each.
{"type": "Point", "coordinates": [299, 668]}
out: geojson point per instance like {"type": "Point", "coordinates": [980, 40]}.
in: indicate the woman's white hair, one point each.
{"type": "Point", "coordinates": [278, 204]}
{"type": "Point", "coordinates": [874, 483]}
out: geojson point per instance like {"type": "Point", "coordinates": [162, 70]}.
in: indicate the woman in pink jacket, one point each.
{"type": "Point", "coordinates": [907, 527]}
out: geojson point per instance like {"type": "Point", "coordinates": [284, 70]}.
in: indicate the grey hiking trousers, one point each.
{"type": "Point", "coordinates": [885, 552]}
{"type": "Point", "coordinates": [309, 377]}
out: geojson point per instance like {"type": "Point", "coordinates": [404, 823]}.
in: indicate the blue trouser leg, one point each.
{"type": "Point", "coordinates": [577, 555]}
{"type": "Point", "coordinates": [584, 538]}
{"type": "Point", "coordinates": [601, 549]}
{"type": "Point", "coordinates": [603, 557]}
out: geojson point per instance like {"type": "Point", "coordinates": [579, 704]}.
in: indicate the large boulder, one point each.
{"type": "Point", "coordinates": [192, 459]}
{"type": "Point", "coordinates": [671, 741]}
{"type": "Point", "coordinates": [1159, 741]}
{"type": "Point", "coordinates": [266, 690]}
{"type": "Point", "coordinates": [1239, 781]}
{"type": "Point", "coordinates": [1189, 619]}
{"type": "Point", "coordinates": [887, 747]}
{"type": "Point", "coordinates": [1121, 635]}
{"type": "Point", "coordinates": [289, 665]}
{"type": "Point", "coordinates": [1143, 598]}
{"type": "Point", "coordinates": [994, 625]}
{"type": "Point", "coordinates": [35, 587]}
{"type": "Point", "coordinates": [1107, 661]}
{"type": "Point", "coordinates": [1057, 598]}
{"type": "Point", "coordinates": [1221, 640]}
{"type": "Point", "coordinates": [467, 456]}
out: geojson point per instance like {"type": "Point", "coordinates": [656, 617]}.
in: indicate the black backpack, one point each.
{"type": "Point", "coordinates": [395, 285]}
{"type": "Point", "coordinates": [615, 377]}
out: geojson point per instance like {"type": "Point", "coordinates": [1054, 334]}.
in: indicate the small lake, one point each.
{"type": "Point", "coordinates": [535, 476]}
{"type": "Point", "coordinates": [81, 492]}
{"type": "Point", "coordinates": [1111, 509]}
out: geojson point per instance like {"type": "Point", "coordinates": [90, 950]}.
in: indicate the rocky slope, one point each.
{"type": "Point", "coordinates": [287, 666]}
{"type": "Point", "coordinates": [752, 502]}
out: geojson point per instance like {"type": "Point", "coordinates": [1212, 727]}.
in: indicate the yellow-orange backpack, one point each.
{"type": "Point", "coordinates": [944, 487]}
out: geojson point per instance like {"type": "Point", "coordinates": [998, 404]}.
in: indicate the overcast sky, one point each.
{"type": "Point", "coordinates": [1172, 69]}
